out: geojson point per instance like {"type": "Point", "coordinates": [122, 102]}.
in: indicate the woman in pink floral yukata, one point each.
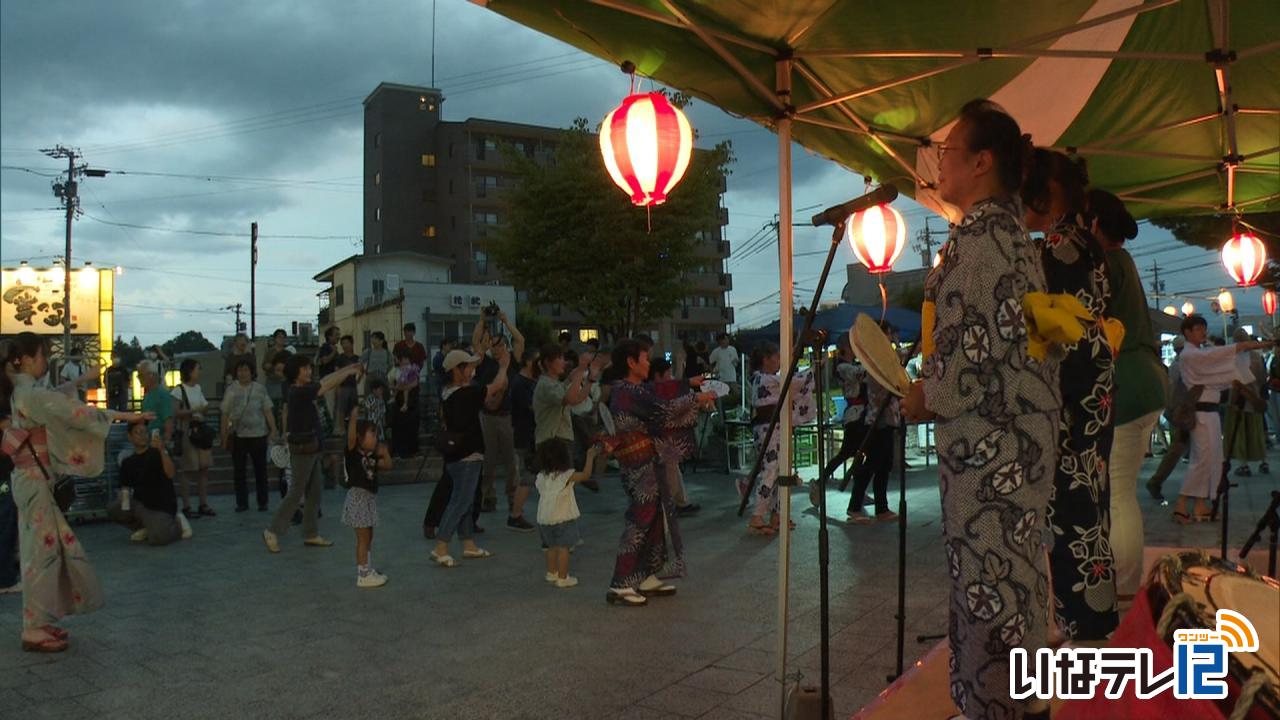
{"type": "Point", "coordinates": [50, 435]}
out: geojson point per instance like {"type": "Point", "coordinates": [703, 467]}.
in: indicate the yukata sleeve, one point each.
{"type": "Point", "coordinates": [764, 389]}
{"type": "Point", "coordinates": [804, 405]}
{"type": "Point", "coordinates": [54, 409]}
{"type": "Point", "coordinates": [979, 328]}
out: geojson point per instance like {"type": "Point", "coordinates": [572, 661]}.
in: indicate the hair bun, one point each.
{"type": "Point", "coordinates": [1082, 166]}
{"type": "Point", "coordinates": [1028, 156]}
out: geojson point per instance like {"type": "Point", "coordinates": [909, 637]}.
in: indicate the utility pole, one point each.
{"type": "Point", "coordinates": [68, 191]}
{"type": "Point", "coordinates": [238, 310]}
{"type": "Point", "coordinates": [1157, 287]}
{"type": "Point", "coordinates": [253, 282]}
{"type": "Point", "coordinates": [924, 243]}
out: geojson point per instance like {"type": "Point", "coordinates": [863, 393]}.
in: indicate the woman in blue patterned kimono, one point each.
{"type": "Point", "coordinates": [766, 387]}
{"type": "Point", "coordinates": [653, 425]}
{"type": "Point", "coordinates": [50, 435]}
{"type": "Point", "coordinates": [996, 405]}
{"type": "Point", "coordinates": [1081, 564]}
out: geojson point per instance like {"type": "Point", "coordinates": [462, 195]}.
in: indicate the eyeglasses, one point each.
{"type": "Point", "coordinates": [944, 148]}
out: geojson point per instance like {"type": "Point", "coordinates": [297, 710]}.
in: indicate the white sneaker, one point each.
{"type": "Point", "coordinates": [372, 580]}
{"type": "Point", "coordinates": [139, 535]}
{"type": "Point", "coordinates": [552, 577]}
{"type": "Point", "coordinates": [272, 542]}
{"type": "Point", "coordinates": [186, 526]}
{"type": "Point", "coordinates": [566, 582]}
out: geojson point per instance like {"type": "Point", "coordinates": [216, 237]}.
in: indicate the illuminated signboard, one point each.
{"type": "Point", "coordinates": [31, 300]}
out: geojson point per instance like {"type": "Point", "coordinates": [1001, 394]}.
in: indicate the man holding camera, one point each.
{"type": "Point", "coordinates": [495, 422]}
{"type": "Point", "coordinates": [147, 504]}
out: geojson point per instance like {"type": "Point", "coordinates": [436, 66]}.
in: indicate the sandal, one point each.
{"type": "Point", "coordinates": [444, 560]}
{"type": "Point", "coordinates": [56, 632]}
{"type": "Point", "coordinates": [626, 598]}
{"type": "Point", "coordinates": [1207, 517]}
{"type": "Point", "coordinates": [1181, 518]}
{"type": "Point", "coordinates": [660, 591]}
{"type": "Point", "coordinates": [47, 645]}
{"type": "Point", "coordinates": [476, 554]}
{"type": "Point", "coordinates": [755, 528]}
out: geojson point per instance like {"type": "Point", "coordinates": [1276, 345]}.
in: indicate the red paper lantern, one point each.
{"type": "Point", "coordinates": [1269, 302]}
{"type": "Point", "coordinates": [1244, 257]}
{"type": "Point", "coordinates": [877, 236]}
{"type": "Point", "coordinates": [646, 143]}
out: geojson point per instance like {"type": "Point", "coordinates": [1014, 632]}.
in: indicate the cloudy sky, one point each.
{"type": "Point", "coordinates": [220, 114]}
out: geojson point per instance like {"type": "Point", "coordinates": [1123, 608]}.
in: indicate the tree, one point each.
{"type": "Point", "coordinates": [130, 353]}
{"type": "Point", "coordinates": [535, 328]}
{"type": "Point", "coordinates": [572, 238]}
{"type": "Point", "coordinates": [1211, 231]}
{"type": "Point", "coordinates": [190, 341]}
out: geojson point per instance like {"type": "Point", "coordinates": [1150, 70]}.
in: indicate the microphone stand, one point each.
{"type": "Point", "coordinates": [824, 558]}
{"type": "Point", "coordinates": [902, 544]}
{"type": "Point", "coordinates": [1223, 494]}
{"type": "Point", "coordinates": [800, 341]}
{"type": "Point", "coordinates": [1270, 519]}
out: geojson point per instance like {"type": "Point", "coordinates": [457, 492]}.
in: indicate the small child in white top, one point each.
{"type": "Point", "coordinates": [558, 508]}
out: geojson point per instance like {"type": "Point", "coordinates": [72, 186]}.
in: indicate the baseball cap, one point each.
{"type": "Point", "coordinates": [458, 357]}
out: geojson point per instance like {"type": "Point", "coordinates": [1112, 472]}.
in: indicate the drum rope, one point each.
{"type": "Point", "coordinates": [1178, 603]}
{"type": "Point", "coordinates": [1256, 682]}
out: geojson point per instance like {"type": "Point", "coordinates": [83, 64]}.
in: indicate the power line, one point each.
{"type": "Point", "coordinates": [215, 233]}
{"type": "Point", "coordinates": [33, 172]}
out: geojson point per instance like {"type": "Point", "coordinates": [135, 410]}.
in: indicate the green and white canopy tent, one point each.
{"type": "Point", "coordinates": [1175, 103]}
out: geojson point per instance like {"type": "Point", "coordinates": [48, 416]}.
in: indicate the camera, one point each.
{"type": "Point", "coordinates": [492, 309]}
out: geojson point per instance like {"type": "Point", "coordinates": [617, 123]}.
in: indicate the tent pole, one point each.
{"type": "Point", "coordinates": [834, 99]}
{"type": "Point", "coordinates": [843, 109]}
{"type": "Point", "coordinates": [785, 342]}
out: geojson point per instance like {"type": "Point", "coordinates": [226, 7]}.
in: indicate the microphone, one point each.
{"type": "Point", "coordinates": [837, 214]}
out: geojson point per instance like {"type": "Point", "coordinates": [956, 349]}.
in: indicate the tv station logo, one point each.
{"type": "Point", "coordinates": [1199, 668]}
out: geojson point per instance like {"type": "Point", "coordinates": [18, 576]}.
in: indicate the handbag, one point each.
{"type": "Point", "coordinates": [235, 424]}
{"type": "Point", "coordinates": [64, 489]}
{"type": "Point", "coordinates": [199, 434]}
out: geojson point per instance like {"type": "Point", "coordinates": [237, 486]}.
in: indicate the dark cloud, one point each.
{"type": "Point", "coordinates": [273, 90]}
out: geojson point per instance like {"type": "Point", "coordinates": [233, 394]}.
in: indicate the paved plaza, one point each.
{"type": "Point", "coordinates": [216, 627]}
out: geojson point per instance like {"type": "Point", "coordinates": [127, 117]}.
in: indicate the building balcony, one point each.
{"type": "Point", "coordinates": [713, 316]}
{"type": "Point", "coordinates": [715, 249]}
{"type": "Point", "coordinates": [711, 282]}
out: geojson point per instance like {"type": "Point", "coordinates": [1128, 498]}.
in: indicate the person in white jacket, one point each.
{"type": "Point", "coordinates": [1215, 369]}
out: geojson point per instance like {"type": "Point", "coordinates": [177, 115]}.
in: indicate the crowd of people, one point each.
{"type": "Point", "coordinates": [1040, 439]}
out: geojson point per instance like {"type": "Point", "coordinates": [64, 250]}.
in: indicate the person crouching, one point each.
{"type": "Point", "coordinates": [147, 504]}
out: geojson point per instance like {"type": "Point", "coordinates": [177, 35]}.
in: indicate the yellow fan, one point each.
{"type": "Point", "coordinates": [874, 351]}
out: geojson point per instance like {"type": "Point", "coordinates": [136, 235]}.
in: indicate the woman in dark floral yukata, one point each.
{"type": "Point", "coordinates": [996, 404]}
{"type": "Point", "coordinates": [1080, 561]}
{"type": "Point", "coordinates": [650, 548]}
